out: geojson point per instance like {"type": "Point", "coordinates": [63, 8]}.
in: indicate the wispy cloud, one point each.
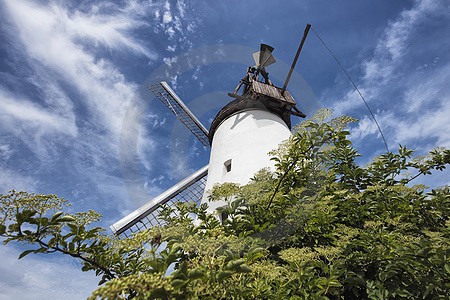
{"type": "Point", "coordinates": [34, 278]}
{"type": "Point", "coordinates": [392, 47]}
{"type": "Point", "coordinates": [10, 179]}
{"type": "Point", "coordinates": [32, 116]}
{"type": "Point", "coordinates": [52, 35]}
{"type": "Point", "coordinates": [178, 25]}
{"type": "Point", "coordinates": [33, 123]}
{"type": "Point", "coordinates": [411, 104]}
{"type": "Point", "coordinates": [75, 120]}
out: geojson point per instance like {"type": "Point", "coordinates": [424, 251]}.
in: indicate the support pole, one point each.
{"type": "Point", "coordinates": [295, 58]}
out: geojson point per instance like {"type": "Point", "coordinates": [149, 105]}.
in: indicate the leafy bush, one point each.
{"type": "Point", "coordinates": [319, 227]}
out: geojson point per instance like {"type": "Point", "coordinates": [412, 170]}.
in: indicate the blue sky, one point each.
{"type": "Point", "coordinates": [77, 121]}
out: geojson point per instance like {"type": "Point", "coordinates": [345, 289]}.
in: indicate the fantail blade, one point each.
{"type": "Point", "coordinates": [264, 57]}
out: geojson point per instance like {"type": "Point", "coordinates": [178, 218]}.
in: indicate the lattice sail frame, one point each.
{"type": "Point", "coordinates": [167, 96]}
{"type": "Point", "coordinates": [189, 189]}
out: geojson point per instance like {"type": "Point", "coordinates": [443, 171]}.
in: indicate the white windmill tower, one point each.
{"type": "Point", "coordinates": [241, 135]}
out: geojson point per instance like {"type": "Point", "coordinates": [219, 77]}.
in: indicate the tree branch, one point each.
{"type": "Point", "coordinates": [289, 169]}
{"type": "Point", "coordinates": [92, 262]}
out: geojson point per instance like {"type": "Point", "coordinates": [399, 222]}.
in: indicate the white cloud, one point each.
{"type": "Point", "coordinates": [191, 27]}
{"type": "Point", "coordinates": [365, 127]}
{"type": "Point", "coordinates": [181, 6]}
{"type": "Point", "coordinates": [417, 114]}
{"type": "Point", "coordinates": [10, 180]}
{"type": "Point", "coordinates": [421, 117]}
{"type": "Point", "coordinates": [5, 151]}
{"type": "Point", "coordinates": [32, 116]}
{"type": "Point", "coordinates": [381, 69]}
{"type": "Point", "coordinates": [393, 45]}
{"type": "Point", "coordinates": [39, 127]}
{"type": "Point", "coordinates": [427, 88]}
{"type": "Point", "coordinates": [57, 39]}
{"type": "Point", "coordinates": [176, 24]}
{"type": "Point", "coordinates": [167, 17]}
{"type": "Point", "coordinates": [170, 61]}
{"type": "Point", "coordinates": [34, 278]}
{"type": "Point", "coordinates": [61, 50]}
{"type": "Point", "coordinates": [50, 36]}
{"type": "Point", "coordinates": [171, 32]}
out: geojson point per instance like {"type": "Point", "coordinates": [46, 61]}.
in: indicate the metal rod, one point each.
{"type": "Point", "coordinates": [296, 57]}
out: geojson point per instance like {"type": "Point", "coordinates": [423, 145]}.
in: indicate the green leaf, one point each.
{"type": "Point", "coordinates": [14, 227]}
{"type": "Point", "coordinates": [158, 294]}
{"type": "Point", "coordinates": [2, 229]}
{"type": "Point", "coordinates": [86, 268]}
{"type": "Point", "coordinates": [196, 273]}
{"type": "Point", "coordinates": [24, 253]}
{"type": "Point", "coordinates": [65, 219]}
{"type": "Point", "coordinates": [177, 283]}
{"type": "Point", "coordinates": [428, 291]}
{"type": "Point", "coordinates": [228, 253]}
{"type": "Point", "coordinates": [224, 275]}
{"type": "Point", "coordinates": [25, 215]}
{"type": "Point", "coordinates": [244, 269]}
{"type": "Point", "coordinates": [182, 271]}
{"type": "Point", "coordinates": [447, 267]}
{"type": "Point", "coordinates": [56, 215]}
{"type": "Point", "coordinates": [235, 263]}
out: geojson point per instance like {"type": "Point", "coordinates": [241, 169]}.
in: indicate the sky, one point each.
{"type": "Point", "coordinates": [77, 120]}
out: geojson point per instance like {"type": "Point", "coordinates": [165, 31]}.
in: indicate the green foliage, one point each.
{"type": "Point", "coordinates": [319, 227]}
{"type": "Point", "coordinates": [36, 220]}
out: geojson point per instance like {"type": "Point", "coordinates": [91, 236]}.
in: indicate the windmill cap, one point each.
{"type": "Point", "coordinates": [243, 104]}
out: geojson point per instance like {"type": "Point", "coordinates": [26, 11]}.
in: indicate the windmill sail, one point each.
{"type": "Point", "coordinates": [167, 96]}
{"type": "Point", "coordinates": [189, 189]}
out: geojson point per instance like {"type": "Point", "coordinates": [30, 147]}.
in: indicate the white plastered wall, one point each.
{"type": "Point", "coordinates": [245, 138]}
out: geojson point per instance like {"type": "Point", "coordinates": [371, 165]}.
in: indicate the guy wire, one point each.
{"type": "Point", "coordinates": [351, 80]}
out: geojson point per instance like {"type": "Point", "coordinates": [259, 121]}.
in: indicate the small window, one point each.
{"type": "Point", "coordinates": [227, 166]}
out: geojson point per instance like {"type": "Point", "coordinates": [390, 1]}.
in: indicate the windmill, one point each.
{"type": "Point", "coordinates": [241, 135]}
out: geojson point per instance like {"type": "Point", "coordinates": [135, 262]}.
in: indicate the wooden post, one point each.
{"type": "Point", "coordinates": [295, 58]}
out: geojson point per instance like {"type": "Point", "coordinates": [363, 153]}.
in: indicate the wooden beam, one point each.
{"type": "Point", "coordinates": [295, 58]}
